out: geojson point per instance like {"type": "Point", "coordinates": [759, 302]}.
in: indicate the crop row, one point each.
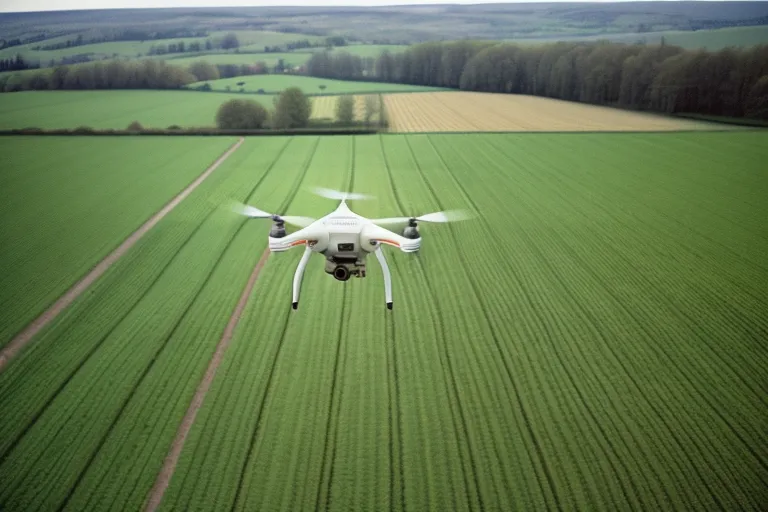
{"type": "Point", "coordinates": [591, 338]}
{"type": "Point", "coordinates": [67, 203]}
{"type": "Point", "coordinates": [86, 396]}
{"type": "Point", "coordinates": [533, 357]}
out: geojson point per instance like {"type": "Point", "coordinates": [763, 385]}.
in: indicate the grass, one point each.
{"type": "Point", "coordinates": [289, 58]}
{"type": "Point", "coordinates": [605, 354]}
{"type": "Point", "coordinates": [112, 109]}
{"type": "Point", "coordinates": [310, 85]}
{"type": "Point", "coordinates": [52, 239]}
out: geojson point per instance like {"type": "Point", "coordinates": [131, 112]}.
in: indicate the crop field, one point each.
{"type": "Point", "coordinates": [270, 59]}
{"type": "Point", "coordinates": [113, 109]}
{"type": "Point", "coordinates": [117, 109]}
{"type": "Point", "coordinates": [310, 85]}
{"type": "Point", "coordinates": [324, 107]}
{"type": "Point", "coordinates": [593, 338]}
{"type": "Point", "coordinates": [461, 111]}
{"type": "Point", "coordinates": [61, 213]}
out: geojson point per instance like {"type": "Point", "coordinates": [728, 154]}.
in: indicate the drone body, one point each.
{"type": "Point", "coordinates": [344, 238]}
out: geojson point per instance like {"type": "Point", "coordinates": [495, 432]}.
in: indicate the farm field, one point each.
{"type": "Point", "coordinates": [113, 109]}
{"type": "Point", "coordinates": [62, 213]}
{"type": "Point", "coordinates": [463, 111]}
{"type": "Point", "coordinates": [310, 85]}
{"type": "Point", "coordinates": [117, 109]}
{"type": "Point", "coordinates": [324, 107]}
{"type": "Point", "coordinates": [605, 354]}
{"type": "Point", "coordinates": [270, 59]}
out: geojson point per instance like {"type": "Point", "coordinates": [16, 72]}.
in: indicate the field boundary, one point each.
{"type": "Point", "coordinates": [169, 464]}
{"type": "Point", "coordinates": [186, 132]}
{"type": "Point", "coordinates": [28, 333]}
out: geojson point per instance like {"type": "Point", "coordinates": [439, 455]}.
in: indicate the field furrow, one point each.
{"type": "Point", "coordinates": [552, 211]}
{"type": "Point", "coordinates": [125, 359]}
{"type": "Point", "coordinates": [189, 350]}
{"type": "Point", "coordinates": [327, 165]}
{"type": "Point", "coordinates": [53, 240]}
{"type": "Point", "coordinates": [591, 338]}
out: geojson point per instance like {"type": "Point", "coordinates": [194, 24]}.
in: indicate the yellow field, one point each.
{"type": "Point", "coordinates": [459, 111]}
{"type": "Point", "coordinates": [324, 107]}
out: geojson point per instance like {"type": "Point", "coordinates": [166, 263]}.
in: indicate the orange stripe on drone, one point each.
{"type": "Point", "coordinates": [298, 242]}
{"type": "Point", "coordinates": [389, 242]}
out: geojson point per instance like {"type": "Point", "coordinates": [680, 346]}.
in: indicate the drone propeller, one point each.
{"type": "Point", "coordinates": [336, 194]}
{"type": "Point", "coordinates": [250, 211]}
{"type": "Point", "coordinates": [446, 216]}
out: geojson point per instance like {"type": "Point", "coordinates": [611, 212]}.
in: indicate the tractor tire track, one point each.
{"type": "Point", "coordinates": [169, 465]}
{"type": "Point", "coordinates": [280, 343]}
{"type": "Point", "coordinates": [28, 333]}
{"type": "Point", "coordinates": [394, 406]}
{"type": "Point", "coordinates": [451, 373]}
{"type": "Point", "coordinates": [100, 342]}
{"type": "Point", "coordinates": [148, 368]}
{"type": "Point", "coordinates": [157, 492]}
{"type": "Point", "coordinates": [335, 379]}
{"type": "Point", "coordinates": [182, 317]}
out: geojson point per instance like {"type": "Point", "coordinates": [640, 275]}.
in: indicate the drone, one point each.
{"type": "Point", "coordinates": [344, 238]}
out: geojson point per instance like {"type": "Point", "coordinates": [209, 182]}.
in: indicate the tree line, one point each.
{"type": "Point", "coordinates": [106, 35]}
{"type": "Point", "coordinates": [662, 78]}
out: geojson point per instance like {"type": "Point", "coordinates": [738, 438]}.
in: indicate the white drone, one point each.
{"type": "Point", "coordinates": [344, 238]}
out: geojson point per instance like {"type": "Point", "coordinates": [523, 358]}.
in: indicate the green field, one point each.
{"type": "Point", "coordinates": [310, 85]}
{"type": "Point", "coordinates": [67, 203]}
{"type": "Point", "coordinates": [113, 109]}
{"type": "Point", "coordinates": [289, 58]}
{"type": "Point", "coordinates": [593, 339]}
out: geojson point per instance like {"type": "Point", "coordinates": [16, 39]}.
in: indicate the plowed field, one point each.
{"type": "Point", "coordinates": [461, 111]}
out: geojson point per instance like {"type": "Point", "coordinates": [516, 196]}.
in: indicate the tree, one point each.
{"type": "Point", "coordinates": [345, 109]}
{"type": "Point", "coordinates": [756, 104]}
{"type": "Point", "coordinates": [230, 41]}
{"type": "Point", "coordinates": [204, 71]}
{"type": "Point", "coordinates": [292, 109]}
{"type": "Point", "coordinates": [371, 107]}
{"type": "Point", "coordinates": [238, 114]}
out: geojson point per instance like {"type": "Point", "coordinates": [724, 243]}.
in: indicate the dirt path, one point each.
{"type": "Point", "coordinates": [25, 336]}
{"type": "Point", "coordinates": [169, 465]}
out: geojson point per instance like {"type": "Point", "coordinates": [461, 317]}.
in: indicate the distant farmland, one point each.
{"type": "Point", "coordinates": [426, 111]}
{"type": "Point", "coordinates": [593, 339]}
{"type": "Point", "coordinates": [462, 111]}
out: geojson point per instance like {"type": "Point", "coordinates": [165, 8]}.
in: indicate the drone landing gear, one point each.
{"type": "Point", "coordinates": [298, 276]}
{"type": "Point", "coordinates": [387, 277]}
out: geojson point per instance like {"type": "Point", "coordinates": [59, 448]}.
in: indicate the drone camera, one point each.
{"type": "Point", "coordinates": [342, 269]}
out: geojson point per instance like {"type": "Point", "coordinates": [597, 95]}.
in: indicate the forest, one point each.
{"type": "Point", "coordinates": [661, 78]}
{"type": "Point", "coordinates": [664, 78]}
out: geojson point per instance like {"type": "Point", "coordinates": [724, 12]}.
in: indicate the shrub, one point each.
{"type": "Point", "coordinates": [241, 114]}
{"type": "Point", "coordinates": [135, 126]}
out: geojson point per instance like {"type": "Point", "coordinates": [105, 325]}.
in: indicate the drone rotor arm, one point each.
{"type": "Point", "coordinates": [312, 236]}
{"type": "Point", "coordinates": [372, 233]}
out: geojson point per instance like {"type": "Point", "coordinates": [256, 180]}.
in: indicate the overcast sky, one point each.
{"type": "Point", "coordinates": [56, 5]}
